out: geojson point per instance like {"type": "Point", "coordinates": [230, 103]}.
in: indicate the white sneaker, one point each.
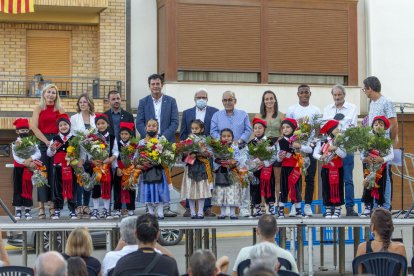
{"type": "Point", "coordinates": [337, 213]}
{"type": "Point", "coordinates": [116, 214]}
{"type": "Point", "coordinates": [244, 212]}
{"type": "Point", "coordinates": [292, 213]}
{"type": "Point", "coordinates": [308, 210]}
{"type": "Point", "coordinates": [131, 213]}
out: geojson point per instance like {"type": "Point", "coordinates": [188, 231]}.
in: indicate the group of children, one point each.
{"type": "Point", "coordinates": [205, 177]}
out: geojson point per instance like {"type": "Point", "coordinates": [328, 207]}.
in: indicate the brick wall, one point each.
{"type": "Point", "coordinates": [12, 49]}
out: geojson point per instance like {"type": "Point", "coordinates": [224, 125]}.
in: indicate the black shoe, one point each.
{"type": "Point", "coordinates": [234, 217]}
{"type": "Point", "coordinates": [168, 213]}
{"type": "Point", "coordinates": [194, 217]}
{"type": "Point", "coordinates": [350, 212]}
{"type": "Point", "coordinates": [221, 217]}
{"type": "Point", "coordinates": [200, 217]}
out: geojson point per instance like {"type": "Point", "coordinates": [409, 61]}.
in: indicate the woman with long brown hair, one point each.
{"type": "Point", "coordinates": [382, 228]}
{"type": "Point", "coordinates": [43, 125]}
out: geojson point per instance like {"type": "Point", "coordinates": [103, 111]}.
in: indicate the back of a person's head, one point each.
{"type": "Point", "coordinates": [381, 220]}
{"type": "Point", "coordinates": [260, 270]}
{"type": "Point", "coordinates": [264, 253]}
{"type": "Point", "coordinates": [202, 263]}
{"type": "Point", "coordinates": [127, 228]}
{"type": "Point", "coordinates": [267, 226]}
{"type": "Point", "coordinates": [147, 228]}
{"type": "Point", "coordinates": [77, 267]}
{"type": "Point", "coordinates": [50, 263]}
{"type": "Point", "coordinates": [79, 243]}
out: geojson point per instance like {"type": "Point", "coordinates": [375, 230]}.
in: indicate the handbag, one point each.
{"type": "Point", "coordinates": [153, 175]}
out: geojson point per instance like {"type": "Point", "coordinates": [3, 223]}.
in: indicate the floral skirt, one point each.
{"type": "Point", "coordinates": [191, 189]}
{"type": "Point", "coordinates": [154, 192]}
{"type": "Point", "coordinates": [227, 196]}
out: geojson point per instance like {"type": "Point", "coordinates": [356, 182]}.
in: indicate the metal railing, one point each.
{"type": "Point", "coordinates": [69, 86]}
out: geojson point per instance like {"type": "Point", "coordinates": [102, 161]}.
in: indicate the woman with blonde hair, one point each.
{"type": "Point", "coordinates": [79, 244]}
{"type": "Point", "coordinates": [44, 127]}
{"type": "Point", "coordinates": [80, 122]}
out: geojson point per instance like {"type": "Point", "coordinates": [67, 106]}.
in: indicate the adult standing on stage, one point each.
{"type": "Point", "coordinates": [44, 126]}
{"type": "Point", "coordinates": [238, 121]}
{"type": "Point", "coordinates": [269, 111]}
{"type": "Point", "coordinates": [299, 111]}
{"type": "Point", "coordinates": [116, 114]}
{"type": "Point", "coordinates": [164, 109]}
{"type": "Point", "coordinates": [381, 106]}
{"type": "Point", "coordinates": [204, 113]}
{"type": "Point", "coordinates": [83, 120]}
{"type": "Point", "coordinates": [347, 114]}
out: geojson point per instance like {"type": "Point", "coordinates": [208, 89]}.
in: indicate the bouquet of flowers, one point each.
{"type": "Point", "coordinates": [95, 145]}
{"type": "Point", "coordinates": [156, 151]}
{"type": "Point", "coordinates": [39, 177]}
{"type": "Point", "coordinates": [129, 172]}
{"type": "Point", "coordinates": [193, 144]}
{"type": "Point", "coordinates": [221, 149]}
{"type": "Point", "coordinates": [261, 151]}
{"type": "Point", "coordinates": [353, 139]}
{"type": "Point", "coordinates": [25, 147]}
{"type": "Point", "coordinates": [377, 145]}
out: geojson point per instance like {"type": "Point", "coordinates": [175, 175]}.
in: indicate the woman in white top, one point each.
{"type": "Point", "coordinates": [82, 121]}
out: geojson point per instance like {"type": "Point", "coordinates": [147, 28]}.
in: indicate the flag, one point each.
{"type": "Point", "coordinates": [16, 6]}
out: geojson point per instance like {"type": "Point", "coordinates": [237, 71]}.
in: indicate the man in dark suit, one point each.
{"type": "Point", "coordinates": [204, 113]}
{"type": "Point", "coordinates": [164, 109]}
{"type": "Point", "coordinates": [116, 114]}
{"type": "Point", "coordinates": [199, 111]}
{"type": "Point", "coordinates": [158, 106]}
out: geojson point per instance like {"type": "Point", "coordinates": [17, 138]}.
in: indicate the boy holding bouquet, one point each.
{"type": "Point", "coordinates": [22, 176]}
{"type": "Point", "coordinates": [64, 182]}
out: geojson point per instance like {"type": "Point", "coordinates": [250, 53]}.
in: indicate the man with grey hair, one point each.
{"type": "Point", "coordinates": [203, 263]}
{"type": "Point", "coordinates": [128, 243]}
{"type": "Point", "coordinates": [266, 254]}
{"type": "Point", "coordinates": [346, 113]}
{"type": "Point", "coordinates": [50, 263]}
{"type": "Point", "coordinates": [203, 113]}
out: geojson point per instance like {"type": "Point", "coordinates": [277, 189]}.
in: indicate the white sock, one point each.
{"type": "Point", "coordinates": [232, 211]}
{"type": "Point", "coordinates": [298, 205]}
{"type": "Point", "coordinates": [150, 207]}
{"type": "Point", "coordinates": [95, 203]}
{"type": "Point", "coordinates": [201, 207]}
{"type": "Point", "coordinates": [191, 202]}
{"type": "Point", "coordinates": [281, 204]}
{"type": "Point", "coordinates": [160, 210]}
{"type": "Point", "coordinates": [106, 203]}
{"type": "Point", "coordinates": [18, 208]}
{"type": "Point", "coordinates": [223, 211]}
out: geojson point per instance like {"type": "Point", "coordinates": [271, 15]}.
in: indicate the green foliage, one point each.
{"type": "Point", "coordinates": [353, 139]}
{"type": "Point", "coordinates": [379, 142]}
{"type": "Point", "coordinates": [262, 150]}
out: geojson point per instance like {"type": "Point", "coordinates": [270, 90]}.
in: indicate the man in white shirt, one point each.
{"type": "Point", "coordinates": [299, 111]}
{"type": "Point", "coordinates": [266, 232]}
{"type": "Point", "coordinates": [346, 113]}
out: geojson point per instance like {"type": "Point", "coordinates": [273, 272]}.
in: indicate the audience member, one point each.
{"type": "Point", "coordinates": [266, 231]}
{"type": "Point", "coordinates": [260, 270]}
{"type": "Point", "coordinates": [79, 244]}
{"type": "Point", "coordinates": [146, 259]}
{"type": "Point", "coordinates": [4, 257]}
{"type": "Point", "coordinates": [382, 228]}
{"type": "Point", "coordinates": [77, 267]}
{"type": "Point", "coordinates": [203, 263]}
{"type": "Point", "coordinates": [265, 253]}
{"type": "Point", "coordinates": [50, 264]}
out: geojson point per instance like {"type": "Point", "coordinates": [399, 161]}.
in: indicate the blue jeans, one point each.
{"type": "Point", "coordinates": [80, 192]}
{"type": "Point", "coordinates": [387, 193]}
{"type": "Point", "coordinates": [348, 165]}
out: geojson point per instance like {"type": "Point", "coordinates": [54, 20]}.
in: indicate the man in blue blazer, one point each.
{"type": "Point", "coordinates": [160, 107]}
{"type": "Point", "coordinates": [199, 111]}
{"type": "Point", "coordinates": [164, 109]}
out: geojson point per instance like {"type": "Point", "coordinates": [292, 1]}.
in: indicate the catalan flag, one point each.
{"type": "Point", "coordinates": [16, 6]}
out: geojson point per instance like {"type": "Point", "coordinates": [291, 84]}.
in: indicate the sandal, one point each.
{"type": "Point", "coordinates": [52, 212]}
{"type": "Point", "coordinates": [42, 214]}
{"type": "Point", "coordinates": [86, 211]}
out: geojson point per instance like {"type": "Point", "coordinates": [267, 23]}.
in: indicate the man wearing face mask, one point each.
{"type": "Point", "coordinates": [204, 113]}
{"type": "Point", "coordinates": [200, 111]}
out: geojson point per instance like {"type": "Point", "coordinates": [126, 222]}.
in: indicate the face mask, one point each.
{"type": "Point", "coordinates": [152, 133]}
{"type": "Point", "coordinates": [201, 104]}
{"type": "Point", "coordinates": [23, 135]}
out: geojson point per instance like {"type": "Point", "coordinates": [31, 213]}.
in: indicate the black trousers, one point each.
{"type": "Point", "coordinates": [366, 194]}
{"type": "Point", "coordinates": [117, 195]}
{"type": "Point", "coordinates": [255, 190]}
{"type": "Point", "coordinates": [58, 190]}
{"type": "Point", "coordinates": [284, 187]}
{"type": "Point", "coordinates": [326, 187]}
{"type": "Point", "coordinates": [310, 180]}
{"type": "Point", "coordinates": [18, 200]}
{"type": "Point", "coordinates": [45, 193]}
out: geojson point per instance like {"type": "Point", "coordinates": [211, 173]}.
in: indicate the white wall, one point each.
{"type": "Point", "coordinates": [390, 46]}
{"type": "Point", "coordinates": [143, 47]}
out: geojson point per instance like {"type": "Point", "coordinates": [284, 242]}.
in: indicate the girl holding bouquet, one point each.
{"type": "Point", "coordinates": [197, 181]}
{"type": "Point", "coordinates": [264, 192]}
{"type": "Point", "coordinates": [332, 173]}
{"type": "Point", "coordinates": [22, 176]}
{"type": "Point", "coordinates": [103, 151]}
{"type": "Point", "coordinates": [290, 176]}
{"type": "Point", "coordinates": [122, 195]}
{"type": "Point", "coordinates": [376, 159]}
{"type": "Point", "coordinates": [64, 184]}
{"type": "Point", "coordinates": [153, 186]}
{"type": "Point", "coordinates": [227, 188]}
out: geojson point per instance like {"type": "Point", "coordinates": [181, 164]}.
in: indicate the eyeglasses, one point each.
{"type": "Point", "coordinates": [201, 98]}
{"type": "Point", "coordinates": [228, 100]}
